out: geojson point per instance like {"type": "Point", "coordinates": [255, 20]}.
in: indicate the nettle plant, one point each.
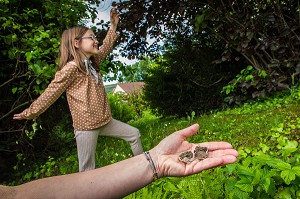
{"type": "Point", "coordinates": [270, 170]}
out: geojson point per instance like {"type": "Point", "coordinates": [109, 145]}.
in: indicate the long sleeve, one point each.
{"type": "Point", "coordinates": [59, 84]}
{"type": "Point", "coordinates": [107, 46]}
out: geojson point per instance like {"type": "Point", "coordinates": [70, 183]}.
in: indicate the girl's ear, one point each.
{"type": "Point", "coordinates": [76, 43]}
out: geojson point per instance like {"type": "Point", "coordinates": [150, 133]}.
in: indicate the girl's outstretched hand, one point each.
{"type": "Point", "coordinates": [166, 153]}
{"type": "Point", "coordinates": [18, 116]}
{"type": "Point", "coordinates": [114, 18]}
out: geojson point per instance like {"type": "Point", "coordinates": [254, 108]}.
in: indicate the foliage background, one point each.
{"type": "Point", "coordinates": [262, 34]}
{"type": "Point", "coordinates": [29, 40]}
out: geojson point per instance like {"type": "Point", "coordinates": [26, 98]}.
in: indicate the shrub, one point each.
{"type": "Point", "coordinates": [120, 108]}
{"type": "Point", "coordinates": [185, 80]}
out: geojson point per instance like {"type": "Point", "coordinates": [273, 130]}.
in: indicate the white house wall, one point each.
{"type": "Point", "coordinates": [118, 89]}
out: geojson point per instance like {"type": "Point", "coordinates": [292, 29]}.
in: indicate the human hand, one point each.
{"type": "Point", "coordinates": [18, 116]}
{"type": "Point", "coordinates": [114, 18]}
{"type": "Point", "coordinates": [165, 154]}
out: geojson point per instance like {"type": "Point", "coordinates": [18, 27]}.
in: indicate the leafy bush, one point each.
{"type": "Point", "coordinates": [29, 37]}
{"type": "Point", "coordinates": [185, 80]}
{"type": "Point", "coordinates": [264, 34]}
{"type": "Point", "coordinates": [247, 86]}
{"type": "Point", "coordinates": [51, 153]}
{"type": "Point", "coordinates": [120, 108]}
{"type": "Point", "coordinates": [138, 102]}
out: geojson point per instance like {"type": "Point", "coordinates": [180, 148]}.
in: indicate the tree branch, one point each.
{"type": "Point", "coordinates": [12, 131]}
{"type": "Point", "coordinates": [208, 85]}
{"type": "Point", "coordinates": [12, 110]}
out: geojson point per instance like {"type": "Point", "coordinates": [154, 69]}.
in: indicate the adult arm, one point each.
{"type": "Point", "coordinates": [59, 84]}
{"type": "Point", "coordinates": [122, 178]}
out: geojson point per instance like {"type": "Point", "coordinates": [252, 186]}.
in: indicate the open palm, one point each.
{"type": "Point", "coordinates": [167, 151]}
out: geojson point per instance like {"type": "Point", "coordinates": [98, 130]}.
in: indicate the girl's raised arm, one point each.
{"type": "Point", "coordinates": [110, 38]}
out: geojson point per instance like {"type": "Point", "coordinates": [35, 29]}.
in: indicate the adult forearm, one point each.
{"type": "Point", "coordinates": [125, 177]}
{"type": "Point", "coordinates": [113, 181]}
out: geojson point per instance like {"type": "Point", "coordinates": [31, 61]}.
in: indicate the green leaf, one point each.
{"type": "Point", "coordinates": [296, 169]}
{"type": "Point", "coordinates": [36, 69]}
{"type": "Point", "coordinates": [288, 176]}
{"type": "Point", "coordinates": [38, 81]}
{"type": "Point", "coordinates": [230, 168]}
{"type": "Point", "coordinates": [278, 164]}
{"type": "Point", "coordinates": [290, 147]}
{"type": "Point", "coordinates": [268, 185]}
{"type": "Point", "coordinates": [284, 193]}
{"type": "Point", "coordinates": [238, 194]}
{"type": "Point", "coordinates": [262, 73]}
{"type": "Point", "coordinates": [230, 184]}
{"type": "Point", "coordinates": [28, 56]}
{"type": "Point", "coordinates": [249, 67]}
{"type": "Point", "coordinates": [200, 19]}
{"type": "Point", "coordinates": [257, 177]}
{"type": "Point", "coordinates": [170, 187]}
{"type": "Point", "coordinates": [244, 171]}
{"type": "Point", "coordinates": [283, 166]}
{"type": "Point", "coordinates": [264, 147]}
{"type": "Point", "coordinates": [249, 77]}
{"type": "Point", "coordinates": [14, 90]}
{"type": "Point", "coordinates": [261, 158]}
{"type": "Point", "coordinates": [248, 149]}
{"type": "Point", "coordinates": [228, 90]}
{"type": "Point", "coordinates": [245, 185]}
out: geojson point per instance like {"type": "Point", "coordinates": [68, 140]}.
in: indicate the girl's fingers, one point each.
{"type": "Point", "coordinates": [114, 11]}
{"type": "Point", "coordinates": [17, 117]}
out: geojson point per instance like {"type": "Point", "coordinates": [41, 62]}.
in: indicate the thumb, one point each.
{"type": "Point", "coordinates": [189, 131]}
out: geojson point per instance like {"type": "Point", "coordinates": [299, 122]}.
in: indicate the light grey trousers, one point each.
{"type": "Point", "coordinates": [87, 141]}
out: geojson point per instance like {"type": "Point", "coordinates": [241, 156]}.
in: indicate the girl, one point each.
{"type": "Point", "coordinates": [91, 115]}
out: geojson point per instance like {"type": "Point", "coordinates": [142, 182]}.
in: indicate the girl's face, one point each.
{"type": "Point", "coordinates": [88, 44]}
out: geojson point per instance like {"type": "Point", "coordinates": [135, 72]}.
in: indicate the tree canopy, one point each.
{"type": "Point", "coordinates": [264, 34]}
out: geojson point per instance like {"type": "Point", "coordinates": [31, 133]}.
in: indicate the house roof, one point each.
{"type": "Point", "coordinates": [130, 87]}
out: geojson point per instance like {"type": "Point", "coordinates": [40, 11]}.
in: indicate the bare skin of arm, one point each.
{"type": "Point", "coordinates": [122, 178]}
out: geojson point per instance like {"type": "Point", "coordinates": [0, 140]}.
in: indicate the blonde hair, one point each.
{"type": "Point", "coordinates": [67, 51]}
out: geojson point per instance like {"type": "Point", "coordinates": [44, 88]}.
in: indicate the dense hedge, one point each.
{"type": "Point", "coordinates": [185, 80]}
